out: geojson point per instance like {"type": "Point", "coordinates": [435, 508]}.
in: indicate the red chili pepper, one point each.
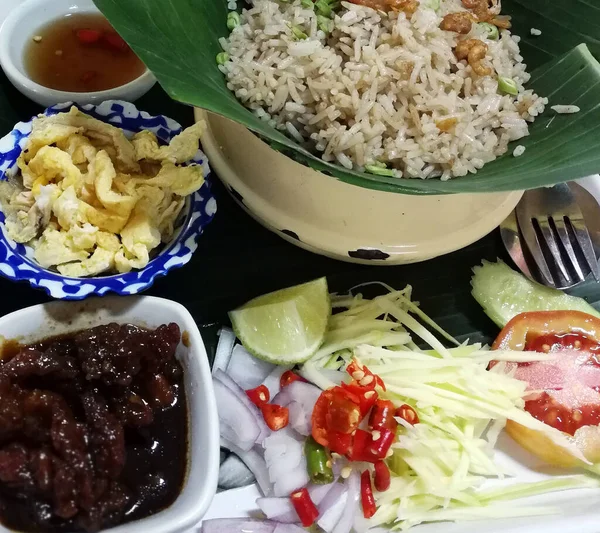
{"type": "Point", "coordinates": [366, 398]}
{"type": "Point", "coordinates": [382, 415]}
{"type": "Point", "coordinates": [339, 442]}
{"type": "Point", "coordinates": [366, 495]}
{"type": "Point", "coordinates": [259, 396]}
{"type": "Point", "coordinates": [378, 447]}
{"type": "Point", "coordinates": [289, 377]}
{"type": "Point", "coordinates": [406, 412]}
{"type": "Point", "coordinates": [363, 376]}
{"type": "Point", "coordinates": [115, 42]}
{"type": "Point", "coordinates": [87, 36]}
{"type": "Point", "coordinates": [382, 476]}
{"type": "Point", "coordinates": [275, 416]}
{"type": "Point", "coordinates": [305, 508]}
{"type": "Point", "coordinates": [360, 442]}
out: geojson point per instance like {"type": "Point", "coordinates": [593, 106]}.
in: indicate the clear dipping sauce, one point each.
{"type": "Point", "coordinates": [80, 53]}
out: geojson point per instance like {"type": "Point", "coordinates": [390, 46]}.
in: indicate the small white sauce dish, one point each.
{"type": "Point", "coordinates": [42, 321]}
{"type": "Point", "coordinates": [18, 29]}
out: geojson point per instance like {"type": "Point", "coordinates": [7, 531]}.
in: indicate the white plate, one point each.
{"type": "Point", "coordinates": [580, 507]}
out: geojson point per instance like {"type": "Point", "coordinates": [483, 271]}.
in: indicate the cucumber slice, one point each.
{"type": "Point", "coordinates": [504, 293]}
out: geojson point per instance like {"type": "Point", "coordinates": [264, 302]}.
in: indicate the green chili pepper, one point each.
{"type": "Point", "coordinates": [222, 58]}
{"type": "Point", "coordinates": [298, 33]}
{"type": "Point", "coordinates": [490, 30]}
{"type": "Point", "coordinates": [508, 86]}
{"type": "Point", "coordinates": [324, 24]}
{"type": "Point", "coordinates": [323, 8]}
{"type": "Point", "coordinates": [318, 462]}
{"type": "Point", "coordinates": [380, 170]}
{"type": "Point", "coordinates": [233, 20]}
{"type": "Point", "coordinates": [307, 4]}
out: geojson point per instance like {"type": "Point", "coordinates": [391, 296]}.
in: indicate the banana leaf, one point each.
{"type": "Point", "coordinates": [178, 41]}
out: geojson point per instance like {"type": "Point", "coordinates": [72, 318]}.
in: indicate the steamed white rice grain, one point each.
{"type": "Point", "coordinates": [377, 87]}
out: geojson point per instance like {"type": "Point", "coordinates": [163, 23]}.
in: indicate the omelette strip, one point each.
{"type": "Point", "coordinates": [89, 201]}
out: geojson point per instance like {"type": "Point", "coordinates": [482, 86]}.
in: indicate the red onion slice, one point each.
{"type": "Point", "coordinates": [332, 508]}
{"type": "Point", "coordinates": [237, 423]}
{"type": "Point", "coordinates": [255, 462]}
{"type": "Point", "coordinates": [246, 370]}
{"type": "Point", "coordinates": [347, 519]}
{"type": "Point", "coordinates": [288, 528]}
{"type": "Point", "coordinates": [286, 462]}
{"type": "Point", "coordinates": [237, 525]}
{"type": "Point", "coordinates": [224, 349]}
{"type": "Point", "coordinates": [278, 509]}
{"type": "Point", "coordinates": [301, 398]}
{"type": "Point", "coordinates": [241, 394]}
{"type": "Point", "coordinates": [273, 380]}
{"type": "Point", "coordinates": [234, 473]}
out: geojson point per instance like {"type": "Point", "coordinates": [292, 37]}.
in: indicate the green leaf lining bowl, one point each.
{"type": "Point", "coordinates": [178, 40]}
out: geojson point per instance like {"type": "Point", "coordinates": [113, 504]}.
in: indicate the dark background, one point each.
{"type": "Point", "coordinates": [238, 259]}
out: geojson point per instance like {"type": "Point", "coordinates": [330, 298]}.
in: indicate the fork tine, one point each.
{"type": "Point", "coordinates": [585, 242]}
{"type": "Point", "coordinates": [563, 235]}
{"type": "Point", "coordinates": [550, 241]}
{"type": "Point", "coordinates": [531, 240]}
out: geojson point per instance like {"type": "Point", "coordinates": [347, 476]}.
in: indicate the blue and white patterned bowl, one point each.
{"type": "Point", "coordinates": [16, 260]}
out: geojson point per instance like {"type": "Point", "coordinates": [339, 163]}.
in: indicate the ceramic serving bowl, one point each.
{"type": "Point", "coordinates": [326, 216]}
{"type": "Point", "coordinates": [16, 260]}
{"type": "Point", "coordinates": [15, 33]}
{"type": "Point", "coordinates": [41, 321]}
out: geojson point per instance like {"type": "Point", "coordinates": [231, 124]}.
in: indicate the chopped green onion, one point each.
{"type": "Point", "coordinates": [222, 58]}
{"type": "Point", "coordinates": [323, 8]}
{"type": "Point", "coordinates": [298, 33]}
{"type": "Point", "coordinates": [433, 4]}
{"type": "Point", "coordinates": [307, 4]}
{"type": "Point", "coordinates": [508, 86]}
{"type": "Point", "coordinates": [318, 462]}
{"type": "Point", "coordinates": [490, 30]}
{"type": "Point", "coordinates": [233, 20]}
{"type": "Point", "coordinates": [324, 24]}
{"type": "Point", "coordinates": [380, 170]}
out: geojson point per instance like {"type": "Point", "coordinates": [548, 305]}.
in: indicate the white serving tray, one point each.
{"type": "Point", "coordinates": [580, 508]}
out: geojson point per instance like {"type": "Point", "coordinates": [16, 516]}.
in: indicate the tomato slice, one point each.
{"type": "Point", "coordinates": [526, 327]}
{"type": "Point", "coordinates": [571, 383]}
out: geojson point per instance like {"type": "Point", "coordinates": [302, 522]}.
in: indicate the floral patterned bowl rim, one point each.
{"type": "Point", "coordinates": [16, 260]}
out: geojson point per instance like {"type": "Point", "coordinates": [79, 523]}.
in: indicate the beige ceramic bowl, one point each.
{"type": "Point", "coordinates": [342, 221]}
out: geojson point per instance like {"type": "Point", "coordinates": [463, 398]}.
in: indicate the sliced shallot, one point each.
{"type": "Point", "coordinates": [241, 394]}
{"type": "Point", "coordinates": [237, 525]}
{"type": "Point", "coordinates": [344, 525]}
{"type": "Point", "coordinates": [255, 462]}
{"type": "Point", "coordinates": [286, 463]}
{"type": "Point", "coordinates": [234, 473]}
{"type": "Point", "coordinates": [278, 509]}
{"type": "Point", "coordinates": [332, 508]}
{"type": "Point", "coordinates": [272, 381]}
{"type": "Point", "coordinates": [246, 370]}
{"type": "Point", "coordinates": [300, 397]}
{"type": "Point", "coordinates": [224, 349]}
{"type": "Point", "coordinates": [238, 424]}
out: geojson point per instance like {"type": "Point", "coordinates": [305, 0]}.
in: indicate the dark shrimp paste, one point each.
{"type": "Point", "coordinates": [93, 429]}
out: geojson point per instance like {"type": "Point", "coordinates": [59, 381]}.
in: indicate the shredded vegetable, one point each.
{"type": "Point", "coordinates": [442, 463]}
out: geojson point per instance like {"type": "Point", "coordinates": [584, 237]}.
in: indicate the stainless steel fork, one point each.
{"type": "Point", "coordinates": [555, 234]}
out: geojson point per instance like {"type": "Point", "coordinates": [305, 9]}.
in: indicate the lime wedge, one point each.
{"type": "Point", "coordinates": [286, 326]}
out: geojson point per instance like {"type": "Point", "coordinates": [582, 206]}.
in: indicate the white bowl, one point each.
{"type": "Point", "coordinates": [17, 30]}
{"type": "Point", "coordinates": [41, 321]}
